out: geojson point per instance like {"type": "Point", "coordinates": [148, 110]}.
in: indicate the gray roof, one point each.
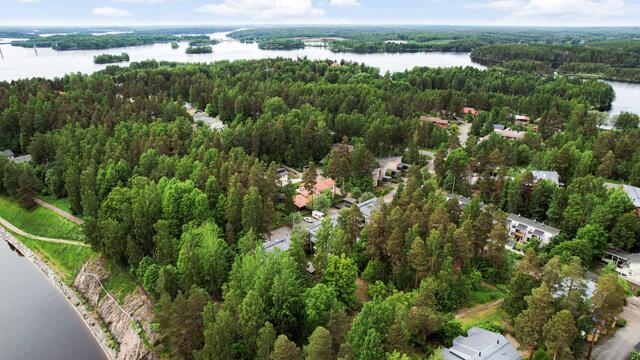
{"type": "Point", "coordinates": [366, 208]}
{"type": "Point", "coordinates": [481, 344]}
{"type": "Point", "coordinates": [533, 224]}
{"type": "Point", "coordinates": [8, 153]}
{"type": "Point", "coordinates": [498, 126]}
{"type": "Point", "coordinates": [632, 192]}
{"type": "Point", "coordinates": [546, 175]}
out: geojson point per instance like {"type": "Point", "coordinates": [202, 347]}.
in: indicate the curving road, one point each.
{"type": "Point", "coordinates": [7, 225]}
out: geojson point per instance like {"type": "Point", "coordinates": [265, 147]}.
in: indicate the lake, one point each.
{"type": "Point", "coordinates": [36, 321]}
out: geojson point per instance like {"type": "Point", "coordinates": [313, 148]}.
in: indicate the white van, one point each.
{"type": "Point", "coordinates": [317, 214]}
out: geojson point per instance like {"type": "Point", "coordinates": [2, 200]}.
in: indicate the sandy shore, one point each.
{"type": "Point", "coordinates": [85, 314]}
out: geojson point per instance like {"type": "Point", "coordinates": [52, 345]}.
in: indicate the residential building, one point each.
{"type": "Point", "coordinates": [442, 123]}
{"type": "Point", "coordinates": [524, 230]}
{"type": "Point", "coordinates": [632, 192]}
{"type": "Point", "coordinates": [523, 118]}
{"type": "Point", "coordinates": [511, 134]}
{"type": "Point", "coordinates": [470, 110]}
{"type": "Point", "coordinates": [627, 264]}
{"type": "Point", "coordinates": [552, 176]}
{"type": "Point", "coordinates": [302, 199]}
{"type": "Point", "coordinates": [387, 165]}
{"type": "Point", "coordinates": [499, 126]}
{"type": "Point", "coordinates": [481, 344]}
{"type": "Point", "coordinates": [8, 154]}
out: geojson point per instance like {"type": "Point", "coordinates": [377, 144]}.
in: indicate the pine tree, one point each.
{"type": "Point", "coordinates": [266, 339]}
{"type": "Point", "coordinates": [284, 349]}
{"type": "Point", "coordinates": [320, 345]}
{"type": "Point", "coordinates": [559, 334]}
{"type": "Point", "coordinates": [418, 259]}
{"type": "Point", "coordinates": [530, 322]}
{"type": "Point", "coordinates": [252, 211]}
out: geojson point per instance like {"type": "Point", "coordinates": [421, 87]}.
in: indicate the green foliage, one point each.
{"type": "Point", "coordinates": [109, 59]}
{"type": "Point", "coordinates": [340, 276]}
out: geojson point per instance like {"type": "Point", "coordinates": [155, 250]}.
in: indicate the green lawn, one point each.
{"type": "Point", "coordinates": [495, 318]}
{"type": "Point", "coordinates": [60, 203]}
{"type": "Point", "coordinates": [39, 221]}
{"type": "Point", "coordinates": [485, 294]}
{"type": "Point", "coordinates": [120, 283]}
{"type": "Point", "coordinates": [65, 259]}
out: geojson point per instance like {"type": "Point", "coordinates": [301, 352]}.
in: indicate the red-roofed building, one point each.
{"type": "Point", "coordinates": [470, 110]}
{"type": "Point", "coordinates": [436, 121]}
{"type": "Point", "coordinates": [303, 197]}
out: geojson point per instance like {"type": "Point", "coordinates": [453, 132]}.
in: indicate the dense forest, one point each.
{"type": "Point", "coordinates": [281, 44]}
{"type": "Point", "coordinates": [92, 42]}
{"type": "Point", "coordinates": [619, 60]}
{"type": "Point", "coordinates": [108, 58]}
{"type": "Point", "coordinates": [199, 49]}
{"type": "Point", "coordinates": [186, 209]}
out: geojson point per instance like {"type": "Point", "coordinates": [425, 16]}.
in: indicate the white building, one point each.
{"type": "Point", "coordinates": [524, 230]}
{"type": "Point", "coordinates": [627, 264]}
{"type": "Point", "coordinates": [481, 344]}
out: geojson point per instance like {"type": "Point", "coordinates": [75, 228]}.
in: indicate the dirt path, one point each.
{"type": "Point", "coordinates": [478, 308]}
{"type": "Point", "coordinates": [59, 211]}
{"type": "Point", "coordinates": [7, 225]}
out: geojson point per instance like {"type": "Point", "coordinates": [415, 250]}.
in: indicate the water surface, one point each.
{"type": "Point", "coordinates": [36, 321]}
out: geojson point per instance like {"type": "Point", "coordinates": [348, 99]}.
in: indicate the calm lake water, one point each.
{"type": "Point", "coordinates": [36, 322]}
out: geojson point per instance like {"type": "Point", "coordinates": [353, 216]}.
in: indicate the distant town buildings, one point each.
{"type": "Point", "coordinates": [481, 344]}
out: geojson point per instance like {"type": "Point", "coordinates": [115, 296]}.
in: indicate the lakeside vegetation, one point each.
{"type": "Point", "coordinates": [110, 59]}
{"type": "Point", "coordinates": [39, 221]}
{"type": "Point", "coordinates": [616, 60]}
{"type": "Point", "coordinates": [186, 209]}
{"type": "Point", "coordinates": [370, 39]}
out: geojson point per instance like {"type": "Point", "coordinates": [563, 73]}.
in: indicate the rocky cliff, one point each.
{"type": "Point", "coordinates": [119, 318]}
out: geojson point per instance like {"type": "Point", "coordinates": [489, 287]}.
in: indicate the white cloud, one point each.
{"type": "Point", "coordinates": [264, 10]}
{"type": "Point", "coordinates": [565, 12]}
{"type": "Point", "coordinates": [110, 11]}
{"type": "Point", "coordinates": [345, 3]}
{"type": "Point", "coordinates": [140, 1]}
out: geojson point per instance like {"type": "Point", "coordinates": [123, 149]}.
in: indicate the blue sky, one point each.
{"type": "Point", "coordinates": [425, 12]}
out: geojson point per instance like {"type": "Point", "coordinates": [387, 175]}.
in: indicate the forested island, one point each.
{"type": "Point", "coordinates": [187, 211]}
{"type": "Point", "coordinates": [93, 42]}
{"type": "Point", "coordinates": [205, 49]}
{"type": "Point", "coordinates": [109, 59]}
{"type": "Point", "coordinates": [616, 60]}
{"type": "Point", "coordinates": [281, 44]}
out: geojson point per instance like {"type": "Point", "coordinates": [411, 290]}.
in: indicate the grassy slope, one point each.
{"type": "Point", "coordinates": [39, 221]}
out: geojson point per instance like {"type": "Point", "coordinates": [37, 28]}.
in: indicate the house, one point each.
{"type": "Point", "coordinates": [499, 126]}
{"type": "Point", "coordinates": [632, 192]}
{"type": "Point", "coordinates": [524, 230]}
{"type": "Point", "coordinates": [627, 264]}
{"type": "Point", "coordinates": [8, 154]}
{"type": "Point", "coordinates": [470, 110]}
{"type": "Point", "coordinates": [481, 344]}
{"type": "Point", "coordinates": [441, 123]}
{"type": "Point", "coordinates": [213, 122]}
{"type": "Point", "coordinates": [522, 118]}
{"type": "Point", "coordinates": [511, 134]}
{"type": "Point", "coordinates": [552, 176]}
{"type": "Point", "coordinates": [366, 208]}
{"type": "Point", "coordinates": [391, 165]}
{"type": "Point", "coordinates": [304, 196]}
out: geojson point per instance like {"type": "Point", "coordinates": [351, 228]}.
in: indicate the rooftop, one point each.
{"type": "Point", "coordinates": [533, 224]}
{"type": "Point", "coordinates": [481, 344]}
{"type": "Point", "coordinates": [546, 175]}
{"type": "Point", "coordinates": [632, 192]}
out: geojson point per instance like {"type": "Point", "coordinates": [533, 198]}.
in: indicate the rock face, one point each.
{"type": "Point", "coordinates": [118, 317]}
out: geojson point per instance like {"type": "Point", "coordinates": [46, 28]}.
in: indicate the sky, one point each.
{"type": "Point", "coordinates": [307, 12]}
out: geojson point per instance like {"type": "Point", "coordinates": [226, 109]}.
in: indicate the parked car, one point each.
{"type": "Point", "coordinates": [308, 219]}
{"type": "Point", "coordinates": [317, 214]}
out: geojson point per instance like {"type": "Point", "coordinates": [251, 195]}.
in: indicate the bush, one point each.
{"type": "Point", "coordinates": [450, 330]}
{"type": "Point", "coordinates": [491, 326]}
{"type": "Point", "coordinates": [375, 270]}
{"type": "Point", "coordinates": [621, 323]}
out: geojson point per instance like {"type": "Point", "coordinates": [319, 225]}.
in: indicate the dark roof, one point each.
{"type": "Point", "coordinates": [8, 153]}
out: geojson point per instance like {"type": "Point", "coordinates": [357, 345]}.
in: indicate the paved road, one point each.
{"type": "Point", "coordinates": [465, 128]}
{"type": "Point", "coordinates": [621, 344]}
{"type": "Point", "coordinates": [59, 211]}
{"type": "Point", "coordinates": [431, 164]}
{"type": "Point", "coordinates": [14, 229]}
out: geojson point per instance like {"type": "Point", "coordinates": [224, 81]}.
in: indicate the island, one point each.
{"type": "Point", "coordinates": [108, 41]}
{"type": "Point", "coordinates": [174, 45]}
{"type": "Point", "coordinates": [206, 49]}
{"type": "Point", "coordinates": [281, 44]}
{"type": "Point", "coordinates": [110, 59]}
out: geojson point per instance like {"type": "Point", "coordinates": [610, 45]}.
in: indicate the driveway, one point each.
{"type": "Point", "coordinates": [465, 128]}
{"type": "Point", "coordinates": [621, 344]}
{"type": "Point", "coordinates": [431, 164]}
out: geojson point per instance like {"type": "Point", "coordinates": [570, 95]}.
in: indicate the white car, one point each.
{"type": "Point", "coordinates": [308, 219]}
{"type": "Point", "coordinates": [317, 214]}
